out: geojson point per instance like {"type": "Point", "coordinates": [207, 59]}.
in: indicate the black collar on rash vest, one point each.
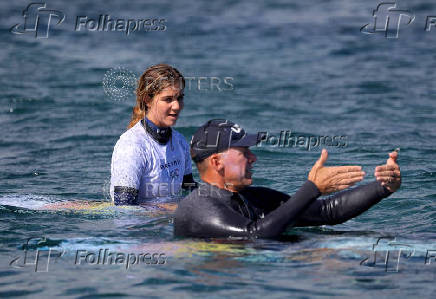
{"type": "Point", "coordinates": [161, 135]}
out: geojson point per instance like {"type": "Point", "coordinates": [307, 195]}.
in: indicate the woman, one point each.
{"type": "Point", "coordinates": [151, 161]}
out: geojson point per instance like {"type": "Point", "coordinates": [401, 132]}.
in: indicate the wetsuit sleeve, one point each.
{"type": "Point", "coordinates": [125, 196]}
{"type": "Point", "coordinates": [275, 222]}
{"type": "Point", "coordinates": [343, 206]}
{"type": "Point", "coordinates": [213, 219]}
{"type": "Point", "coordinates": [188, 182]}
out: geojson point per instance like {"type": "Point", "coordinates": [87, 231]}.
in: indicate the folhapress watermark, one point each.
{"type": "Point", "coordinates": [38, 259]}
{"type": "Point", "coordinates": [38, 20]}
{"type": "Point", "coordinates": [287, 139]}
{"type": "Point", "coordinates": [284, 139]}
{"type": "Point", "coordinates": [388, 18]}
{"type": "Point", "coordinates": [39, 256]}
{"type": "Point", "coordinates": [109, 23]}
{"type": "Point", "coordinates": [108, 257]}
{"type": "Point", "coordinates": [388, 253]}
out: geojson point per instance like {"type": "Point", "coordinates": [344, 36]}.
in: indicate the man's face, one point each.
{"type": "Point", "coordinates": [238, 162]}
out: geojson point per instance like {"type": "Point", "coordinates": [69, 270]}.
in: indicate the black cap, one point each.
{"type": "Point", "coordinates": [218, 135]}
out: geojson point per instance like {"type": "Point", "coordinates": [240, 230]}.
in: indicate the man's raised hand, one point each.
{"type": "Point", "coordinates": [389, 175]}
{"type": "Point", "coordinates": [334, 178]}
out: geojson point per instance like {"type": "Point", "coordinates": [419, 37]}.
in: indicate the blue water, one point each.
{"type": "Point", "coordinates": [298, 66]}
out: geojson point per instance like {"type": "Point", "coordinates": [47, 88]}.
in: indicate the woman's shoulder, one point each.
{"type": "Point", "coordinates": [133, 138]}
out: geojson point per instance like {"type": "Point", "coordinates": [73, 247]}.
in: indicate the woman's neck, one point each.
{"type": "Point", "coordinates": [161, 134]}
{"type": "Point", "coordinates": [153, 123]}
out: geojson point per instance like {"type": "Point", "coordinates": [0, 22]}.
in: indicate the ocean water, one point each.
{"type": "Point", "coordinates": [273, 66]}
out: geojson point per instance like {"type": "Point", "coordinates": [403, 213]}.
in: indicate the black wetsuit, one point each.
{"type": "Point", "coordinates": [262, 212]}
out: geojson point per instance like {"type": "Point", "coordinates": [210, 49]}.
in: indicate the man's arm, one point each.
{"type": "Point", "coordinates": [209, 218]}
{"type": "Point", "coordinates": [349, 204]}
{"type": "Point", "coordinates": [343, 206]}
{"type": "Point", "coordinates": [276, 221]}
{"type": "Point", "coordinates": [212, 219]}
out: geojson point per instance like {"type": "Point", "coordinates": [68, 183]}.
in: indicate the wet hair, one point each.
{"type": "Point", "coordinates": [155, 79]}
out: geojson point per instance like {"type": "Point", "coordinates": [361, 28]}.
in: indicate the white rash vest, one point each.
{"type": "Point", "coordinates": [155, 170]}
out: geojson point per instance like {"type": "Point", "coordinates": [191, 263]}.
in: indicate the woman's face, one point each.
{"type": "Point", "coordinates": [166, 106]}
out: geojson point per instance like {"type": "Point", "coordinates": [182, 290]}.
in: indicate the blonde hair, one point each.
{"type": "Point", "coordinates": [155, 79]}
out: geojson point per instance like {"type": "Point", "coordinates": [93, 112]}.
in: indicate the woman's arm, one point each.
{"type": "Point", "coordinates": [126, 169]}
{"type": "Point", "coordinates": [188, 182]}
{"type": "Point", "coordinates": [125, 195]}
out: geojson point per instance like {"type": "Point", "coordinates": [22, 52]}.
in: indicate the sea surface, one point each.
{"type": "Point", "coordinates": [299, 66]}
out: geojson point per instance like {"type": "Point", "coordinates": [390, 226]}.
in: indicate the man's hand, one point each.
{"type": "Point", "coordinates": [389, 174]}
{"type": "Point", "coordinates": [336, 178]}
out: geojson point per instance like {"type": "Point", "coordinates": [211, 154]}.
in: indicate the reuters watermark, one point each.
{"type": "Point", "coordinates": [119, 83]}
{"type": "Point", "coordinates": [200, 83]}
{"type": "Point", "coordinates": [162, 190]}
{"type": "Point", "coordinates": [287, 139]}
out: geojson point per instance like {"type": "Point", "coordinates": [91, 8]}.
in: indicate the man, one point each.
{"type": "Point", "coordinates": [225, 205]}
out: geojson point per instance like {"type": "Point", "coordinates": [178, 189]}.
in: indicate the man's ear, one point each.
{"type": "Point", "coordinates": [215, 161]}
